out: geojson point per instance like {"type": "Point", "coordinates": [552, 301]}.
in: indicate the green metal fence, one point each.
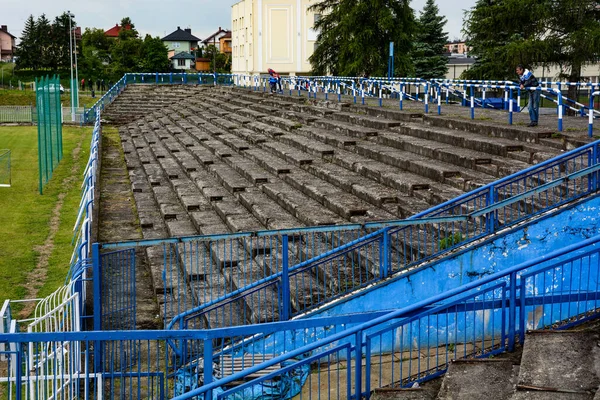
{"type": "Point", "coordinates": [49, 126]}
{"type": "Point", "coordinates": [4, 168]}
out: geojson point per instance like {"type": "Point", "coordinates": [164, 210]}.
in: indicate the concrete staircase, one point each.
{"type": "Point", "coordinates": [221, 160]}
{"type": "Point", "coordinates": [554, 365]}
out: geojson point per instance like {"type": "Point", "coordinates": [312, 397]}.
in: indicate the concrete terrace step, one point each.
{"type": "Point", "coordinates": [464, 377]}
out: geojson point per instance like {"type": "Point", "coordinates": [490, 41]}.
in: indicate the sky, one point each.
{"type": "Point", "coordinates": [159, 17]}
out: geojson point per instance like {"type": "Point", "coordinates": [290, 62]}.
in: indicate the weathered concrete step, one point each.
{"type": "Point", "coordinates": [438, 151]}
{"type": "Point", "coordinates": [270, 214]}
{"type": "Point", "coordinates": [436, 170]}
{"type": "Point", "coordinates": [269, 162]}
{"type": "Point", "coordinates": [250, 136]}
{"type": "Point", "coordinates": [463, 380]}
{"type": "Point", "coordinates": [307, 145]}
{"type": "Point", "coordinates": [327, 137]}
{"type": "Point", "coordinates": [564, 360]}
{"type": "Point", "coordinates": [300, 118]}
{"type": "Point", "coordinates": [494, 130]}
{"type": "Point", "coordinates": [312, 110]}
{"type": "Point", "coordinates": [382, 112]}
{"type": "Point", "coordinates": [265, 129]}
{"type": "Point", "coordinates": [345, 128]}
{"type": "Point", "coordinates": [375, 123]}
{"type": "Point", "coordinates": [495, 146]}
{"type": "Point", "coordinates": [251, 114]}
{"type": "Point", "coordinates": [352, 182]}
{"type": "Point", "coordinates": [405, 182]}
{"type": "Point", "coordinates": [229, 177]}
{"type": "Point", "coordinates": [288, 153]}
{"type": "Point", "coordinates": [250, 170]}
{"type": "Point", "coordinates": [401, 394]}
{"type": "Point", "coordinates": [306, 210]}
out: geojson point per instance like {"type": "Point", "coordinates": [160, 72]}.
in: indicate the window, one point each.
{"type": "Point", "coordinates": [181, 63]}
{"type": "Point", "coordinates": [176, 45]}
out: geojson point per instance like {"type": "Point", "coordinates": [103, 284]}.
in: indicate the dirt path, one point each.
{"type": "Point", "coordinates": [119, 222]}
{"type": "Point", "coordinates": [37, 277]}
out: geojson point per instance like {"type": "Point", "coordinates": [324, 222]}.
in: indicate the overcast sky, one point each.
{"type": "Point", "coordinates": [159, 17]}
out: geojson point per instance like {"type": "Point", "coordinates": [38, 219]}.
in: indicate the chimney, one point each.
{"type": "Point", "coordinates": [178, 28]}
{"type": "Point", "coordinates": [188, 30]}
{"type": "Point", "coordinates": [3, 28]}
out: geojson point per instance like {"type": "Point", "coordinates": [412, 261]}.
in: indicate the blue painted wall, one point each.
{"type": "Point", "coordinates": [516, 246]}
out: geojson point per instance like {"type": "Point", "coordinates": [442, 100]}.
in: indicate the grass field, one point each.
{"type": "Point", "coordinates": [27, 97]}
{"type": "Point", "coordinates": [36, 230]}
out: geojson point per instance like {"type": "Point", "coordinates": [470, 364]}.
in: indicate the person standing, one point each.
{"type": "Point", "coordinates": [527, 81]}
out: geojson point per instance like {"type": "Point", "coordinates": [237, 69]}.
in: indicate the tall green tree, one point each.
{"type": "Point", "coordinates": [428, 52]}
{"type": "Point", "coordinates": [504, 33]}
{"type": "Point", "coordinates": [43, 41]}
{"type": "Point", "coordinates": [26, 57]}
{"type": "Point", "coordinates": [354, 36]}
{"type": "Point", "coordinates": [221, 60]}
{"type": "Point", "coordinates": [154, 55]}
{"type": "Point", "coordinates": [59, 33]}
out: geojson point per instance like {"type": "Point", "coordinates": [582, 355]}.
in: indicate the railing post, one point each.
{"type": "Point", "coordinates": [510, 107]}
{"type": "Point", "coordinates": [472, 102]}
{"type": "Point", "coordinates": [171, 77]}
{"type": "Point", "coordinates": [358, 366]}
{"type": "Point", "coordinates": [512, 311]}
{"type": "Point", "coordinates": [384, 266]}
{"type": "Point", "coordinates": [439, 99]}
{"type": "Point", "coordinates": [285, 281]}
{"type": "Point", "coordinates": [208, 366]}
{"type": "Point", "coordinates": [491, 216]}
{"type": "Point", "coordinates": [560, 112]}
{"type": "Point", "coordinates": [591, 117]}
{"type": "Point", "coordinates": [97, 285]}
{"type": "Point", "coordinates": [19, 377]}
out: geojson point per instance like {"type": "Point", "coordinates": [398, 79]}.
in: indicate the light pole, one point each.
{"type": "Point", "coordinates": [71, 60]}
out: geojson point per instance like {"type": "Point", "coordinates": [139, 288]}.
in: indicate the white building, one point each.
{"type": "Point", "coordinates": [275, 34]}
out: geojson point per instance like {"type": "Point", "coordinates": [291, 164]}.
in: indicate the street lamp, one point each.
{"type": "Point", "coordinates": [73, 46]}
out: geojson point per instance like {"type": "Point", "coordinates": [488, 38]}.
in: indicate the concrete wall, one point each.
{"type": "Point", "coordinates": [273, 34]}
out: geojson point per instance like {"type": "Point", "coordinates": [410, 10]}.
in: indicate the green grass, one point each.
{"type": "Point", "coordinates": [26, 215]}
{"type": "Point", "coordinates": [16, 97]}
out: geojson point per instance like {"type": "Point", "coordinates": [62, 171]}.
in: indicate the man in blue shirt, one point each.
{"type": "Point", "coordinates": [527, 82]}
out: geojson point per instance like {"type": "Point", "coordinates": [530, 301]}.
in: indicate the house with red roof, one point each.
{"type": "Point", "coordinates": [114, 31]}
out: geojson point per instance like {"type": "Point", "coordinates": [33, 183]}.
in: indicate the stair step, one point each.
{"type": "Point", "coordinates": [464, 379]}
{"type": "Point", "coordinates": [560, 360]}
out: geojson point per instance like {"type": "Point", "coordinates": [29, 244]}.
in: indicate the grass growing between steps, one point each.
{"type": "Point", "coordinates": [36, 230]}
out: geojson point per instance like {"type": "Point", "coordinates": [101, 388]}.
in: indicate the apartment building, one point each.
{"type": "Point", "coordinates": [275, 34]}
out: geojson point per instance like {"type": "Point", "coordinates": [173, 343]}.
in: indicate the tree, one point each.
{"type": "Point", "coordinates": [354, 36]}
{"type": "Point", "coordinates": [26, 57]}
{"type": "Point", "coordinates": [60, 57]}
{"type": "Point", "coordinates": [428, 53]}
{"type": "Point", "coordinates": [127, 30]}
{"type": "Point", "coordinates": [223, 61]}
{"type": "Point", "coordinates": [43, 42]}
{"type": "Point", "coordinates": [154, 55]}
{"type": "Point", "coordinates": [502, 35]}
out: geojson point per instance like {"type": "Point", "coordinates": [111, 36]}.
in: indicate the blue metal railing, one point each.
{"type": "Point", "coordinates": [341, 356]}
{"type": "Point", "coordinates": [228, 280]}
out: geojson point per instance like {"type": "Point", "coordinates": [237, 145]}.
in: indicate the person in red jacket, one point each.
{"type": "Point", "coordinates": [276, 76]}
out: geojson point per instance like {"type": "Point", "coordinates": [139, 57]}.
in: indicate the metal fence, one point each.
{"type": "Point", "coordinates": [337, 357]}
{"type": "Point", "coordinates": [5, 165]}
{"type": "Point", "coordinates": [28, 114]}
{"type": "Point", "coordinates": [50, 151]}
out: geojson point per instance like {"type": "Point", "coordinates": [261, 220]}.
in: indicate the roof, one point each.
{"type": "Point", "coordinates": [180, 35]}
{"type": "Point", "coordinates": [183, 56]}
{"type": "Point", "coordinates": [7, 32]}
{"type": "Point", "coordinates": [214, 35]}
{"type": "Point", "coordinates": [227, 35]}
{"type": "Point", "coordinates": [114, 31]}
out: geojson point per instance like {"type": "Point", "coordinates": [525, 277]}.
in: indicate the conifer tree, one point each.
{"type": "Point", "coordinates": [428, 53]}
{"type": "Point", "coordinates": [26, 48]}
{"type": "Point", "coordinates": [43, 42]}
{"type": "Point", "coordinates": [354, 37]}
